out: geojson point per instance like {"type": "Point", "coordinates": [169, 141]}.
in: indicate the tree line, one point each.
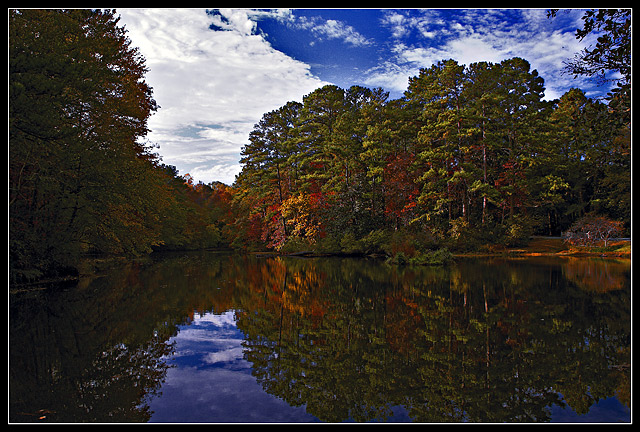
{"type": "Point", "coordinates": [470, 155]}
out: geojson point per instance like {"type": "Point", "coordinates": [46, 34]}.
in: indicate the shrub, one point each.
{"type": "Point", "coordinates": [377, 242]}
{"type": "Point", "coordinates": [329, 244]}
{"type": "Point", "coordinates": [296, 244]}
{"type": "Point", "coordinates": [518, 230]}
{"type": "Point", "coordinates": [398, 259]}
{"type": "Point", "coordinates": [401, 242]}
{"type": "Point", "coordinates": [349, 244]}
{"type": "Point", "coordinates": [437, 257]}
{"type": "Point", "coordinates": [463, 237]}
{"type": "Point", "coordinates": [591, 230]}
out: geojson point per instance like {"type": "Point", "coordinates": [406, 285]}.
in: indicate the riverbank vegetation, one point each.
{"type": "Point", "coordinates": [472, 156]}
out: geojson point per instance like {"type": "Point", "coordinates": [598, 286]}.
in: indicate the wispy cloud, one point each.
{"type": "Point", "coordinates": [319, 27]}
{"type": "Point", "coordinates": [402, 25]}
{"type": "Point", "coordinates": [332, 29]}
{"type": "Point", "coordinates": [472, 35]}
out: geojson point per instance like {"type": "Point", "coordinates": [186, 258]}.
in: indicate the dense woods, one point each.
{"type": "Point", "coordinates": [470, 156]}
{"type": "Point", "coordinates": [81, 178]}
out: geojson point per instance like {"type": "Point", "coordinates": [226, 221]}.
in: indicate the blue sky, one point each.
{"type": "Point", "coordinates": [216, 72]}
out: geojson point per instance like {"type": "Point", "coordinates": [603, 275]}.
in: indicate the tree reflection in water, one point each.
{"type": "Point", "coordinates": [478, 341]}
{"type": "Point", "coordinates": [492, 340]}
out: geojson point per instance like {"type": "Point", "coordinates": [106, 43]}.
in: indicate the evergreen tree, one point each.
{"type": "Point", "coordinates": [267, 178]}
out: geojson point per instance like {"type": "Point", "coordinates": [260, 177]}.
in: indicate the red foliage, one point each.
{"type": "Point", "coordinates": [400, 189]}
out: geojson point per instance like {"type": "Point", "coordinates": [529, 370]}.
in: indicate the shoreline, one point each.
{"type": "Point", "coordinates": [537, 247]}
{"type": "Point", "coordinates": [519, 253]}
{"type": "Point", "coordinates": [555, 247]}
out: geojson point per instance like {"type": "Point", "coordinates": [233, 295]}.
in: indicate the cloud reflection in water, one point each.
{"type": "Point", "coordinates": [211, 382]}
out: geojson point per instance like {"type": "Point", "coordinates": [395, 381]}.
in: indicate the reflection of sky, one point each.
{"type": "Point", "coordinates": [608, 410]}
{"type": "Point", "coordinates": [212, 382]}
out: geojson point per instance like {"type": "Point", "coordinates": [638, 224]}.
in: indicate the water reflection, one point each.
{"type": "Point", "coordinates": [215, 338]}
{"type": "Point", "coordinates": [211, 380]}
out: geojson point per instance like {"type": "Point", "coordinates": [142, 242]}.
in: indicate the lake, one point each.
{"type": "Point", "coordinates": [222, 338]}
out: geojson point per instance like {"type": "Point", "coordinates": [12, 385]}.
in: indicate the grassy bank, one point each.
{"type": "Point", "coordinates": [553, 246]}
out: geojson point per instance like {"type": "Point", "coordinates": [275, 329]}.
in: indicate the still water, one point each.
{"type": "Point", "coordinates": [218, 338]}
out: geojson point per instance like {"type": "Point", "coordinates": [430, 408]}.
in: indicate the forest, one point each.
{"type": "Point", "coordinates": [471, 156]}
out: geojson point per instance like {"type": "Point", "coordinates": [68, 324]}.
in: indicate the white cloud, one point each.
{"type": "Point", "coordinates": [234, 19]}
{"type": "Point", "coordinates": [212, 86]}
{"type": "Point", "coordinates": [225, 319]}
{"type": "Point", "coordinates": [391, 76]}
{"type": "Point", "coordinates": [472, 36]}
{"type": "Point", "coordinates": [224, 356]}
{"type": "Point", "coordinates": [319, 27]}
{"type": "Point", "coordinates": [333, 29]}
{"type": "Point", "coordinates": [402, 25]}
{"type": "Point", "coordinates": [473, 49]}
{"type": "Point", "coordinates": [228, 168]}
{"type": "Point", "coordinates": [398, 24]}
